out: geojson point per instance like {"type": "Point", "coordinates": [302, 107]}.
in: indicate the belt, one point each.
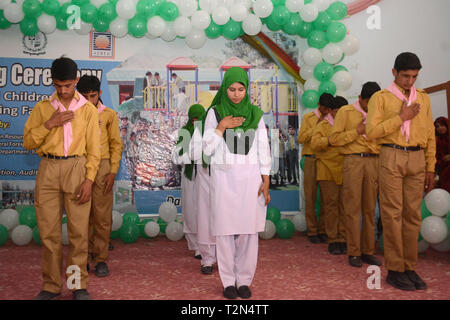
{"type": "Point", "coordinates": [395, 146]}
{"type": "Point", "coordinates": [310, 155]}
{"type": "Point", "coordinates": [50, 156]}
{"type": "Point", "coordinates": [363, 155]}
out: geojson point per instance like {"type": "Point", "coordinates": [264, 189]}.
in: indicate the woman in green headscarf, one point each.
{"type": "Point", "coordinates": [184, 155]}
{"type": "Point", "coordinates": [236, 139]}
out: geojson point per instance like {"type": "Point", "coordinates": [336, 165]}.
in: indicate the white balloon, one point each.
{"type": "Point", "coordinates": [343, 80]}
{"type": "Point", "coordinates": [252, 25]}
{"type": "Point", "coordinates": [98, 3]}
{"type": "Point", "coordinates": [21, 235]}
{"type": "Point", "coordinates": [433, 229]}
{"type": "Point", "coordinates": [167, 211]}
{"type": "Point", "coordinates": [156, 26]}
{"type": "Point", "coordinates": [13, 13]}
{"type": "Point", "coordinates": [119, 27]}
{"type": "Point", "coordinates": [343, 94]}
{"type": "Point", "coordinates": [322, 4]}
{"type": "Point", "coordinates": [246, 3]}
{"type": "Point", "coordinates": [332, 53]}
{"type": "Point", "coordinates": [64, 235]}
{"type": "Point", "coordinates": [307, 72]}
{"type": "Point", "coordinates": [220, 15]}
{"type": "Point", "coordinates": [309, 12]}
{"type": "Point", "coordinates": [46, 23]}
{"type": "Point", "coordinates": [151, 229]}
{"type": "Point", "coordinates": [84, 29]}
{"type": "Point", "coordinates": [269, 230]}
{"type": "Point", "coordinates": [208, 5]}
{"type": "Point", "coordinates": [3, 3]}
{"type": "Point", "coordinates": [422, 246]}
{"type": "Point", "coordinates": [438, 202]}
{"type": "Point", "coordinates": [312, 84]}
{"type": "Point", "coordinates": [442, 246]}
{"type": "Point", "coordinates": [263, 8]}
{"type": "Point", "coordinates": [117, 220]}
{"type": "Point", "coordinates": [201, 20]}
{"type": "Point", "coordinates": [174, 231]}
{"type": "Point", "coordinates": [182, 26]}
{"type": "Point", "coordinates": [350, 44]}
{"type": "Point", "coordinates": [294, 5]}
{"type": "Point", "coordinates": [168, 34]}
{"type": "Point", "coordinates": [312, 56]}
{"type": "Point", "coordinates": [299, 221]}
{"type": "Point", "coordinates": [238, 12]}
{"type": "Point", "coordinates": [187, 7]}
{"type": "Point", "coordinates": [196, 39]}
{"type": "Point", "coordinates": [126, 9]}
{"type": "Point", "coordinates": [9, 218]}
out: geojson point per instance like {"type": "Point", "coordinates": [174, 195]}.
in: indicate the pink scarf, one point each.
{"type": "Point", "coordinates": [364, 114]}
{"type": "Point", "coordinates": [328, 117]}
{"type": "Point", "coordinates": [74, 105]}
{"type": "Point", "coordinates": [412, 97]}
{"type": "Point", "coordinates": [100, 107]}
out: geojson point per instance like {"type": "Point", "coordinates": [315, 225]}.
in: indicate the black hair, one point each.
{"type": "Point", "coordinates": [64, 69]}
{"type": "Point", "coordinates": [326, 100]}
{"type": "Point", "coordinates": [87, 84]}
{"type": "Point", "coordinates": [407, 61]}
{"type": "Point", "coordinates": [156, 73]}
{"type": "Point", "coordinates": [148, 73]}
{"type": "Point", "coordinates": [174, 74]}
{"type": "Point", "coordinates": [339, 102]}
{"type": "Point", "coordinates": [368, 89]}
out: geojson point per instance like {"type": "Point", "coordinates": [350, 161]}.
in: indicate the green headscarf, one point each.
{"type": "Point", "coordinates": [195, 111]}
{"type": "Point", "coordinates": [225, 107]}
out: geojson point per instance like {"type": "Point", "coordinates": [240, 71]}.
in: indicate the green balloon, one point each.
{"type": "Point", "coordinates": [155, 5]}
{"type": "Point", "coordinates": [424, 210]}
{"type": "Point", "coordinates": [280, 15]}
{"type": "Point", "coordinates": [273, 214]}
{"type": "Point", "coordinates": [28, 217]}
{"type": "Point", "coordinates": [145, 8]}
{"type": "Point", "coordinates": [3, 234]}
{"type": "Point", "coordinates": [420, 238]}
{"type": "Point", "coordinates": [285, 228]}
{"type": "Point", "coordinates": [328, 87]}
{"type": "Point", "coordinates": [213, 31]}
{"type": "Point", "coordinates": [107, 12]}
{"type": "Point", "coordinates": [29, 26]}
{"type": "Point", "coordinates": [51, 7]}
{"type": "Point", "coordinates": [310, 99]}
{"type": "Point", "coordinates": [302, 163]}
{"type": "Point", "coordinates": [32, 8]}
{"type": "Point", "coordinates": [339, 68]}
{"type": "Point", "coordinates": [317, 39]}
{"type": "Point", "coordinates": [162, 225]}
{"type": "Point", "coordinates": [101, 25]}
{"type": "Point", "coordinates": [308, 1]}
{"type": "Point", "coordinates": [277, 3]}
{"type": "Point", "coordinates": [129, 232]}
{"type": "Point", "coordinates": [80, 3]}
{"type": "Point", "coordinates": [323, 71]}
{"type": "Point", "coordinates": [448, 221]}
{"type": "Point", "coordinates": [37, 236]}
{"type": "Point", "coordinates": [337, 10]}
{"type": "Point", "coordinates": [61, 21]}
{"type": "Point", "coordinates": [322, 21]}
{"type": "Point", "coordinates": [336, 31]}
{"type": "Point", "coordinates": [137, 26]}
{"type": "Point", "coordinates": [88, 13]}
{"type": "Point", "coordinates": [132, 217]}
{"type": "Point", "coordinates": [293, 25]}
{"type": "Point", "coordinates": [63, 9]}
{"type": "Point", "coordinates": [168, 11]}
{"type": "Point", "coordinates": [113, 2]}
{"type": "Point", "coordinates": [115, 234]}
{"type": "Point", "coordinates": [305, 29]}
{"type": "Point", "coordinates": [270, 23]}
{"type": "Point", "coordinates": [4, 23]}
{"type": "Point", "coordinates": [231, 29]}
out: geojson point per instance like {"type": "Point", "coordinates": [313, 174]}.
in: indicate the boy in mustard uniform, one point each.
{"type": "Point", "coordinates": [100, 221]}
{"type": "Point", "coordinates": [316, 229]}
{"type": "Point", "coordinates": [401, 121]}
{"type": "Point", "coordinates": [360, 177]}
{"type": "Point", "coordinates": [64, 130]}
{"type": "Point", "coordinates": [329, 174]}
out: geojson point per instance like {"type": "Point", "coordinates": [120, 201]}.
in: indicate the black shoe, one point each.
{"type": "Point", "coordinates": [370, 259]}
{"type": "Point", "coordinates": [400, 281]}
{"type": "Point", "coordinates": [207, 269]}
{"type": "Point", "coordinates": [110, 247]}
{"type": "Point", "coordinates": [197, 255]}
{"type": "Point", "coordinates": [230, 292]}
{"type": "Point", "coordinates": [101, 270]}
{"type": "Point", "coordinates": [333, 248]}
{"type": "Point", "coordinates": [47, 295]}
{"type": "Point", "coordinates": [342, 247]}
{"type": "Point", "coordinates": [314, 239]}
{"type": "Point", "coordinates": [244, 292]}
{"type": "Point", "coordinates": [323, 238]}
{"type": "Point", "coordinates": [355, 261]}
{"type": "Point", "coordinates": [416, 280]}
{"type": "Point", "coordinates": [81, 294]}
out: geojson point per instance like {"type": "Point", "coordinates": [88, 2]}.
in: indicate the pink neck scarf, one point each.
{"type": "Point", "coordinates": [412, 97]}
{"type": "Point", "coordinates": [364, 114]}
{"type": "Point", "coordinates": [74, 105]}
{"type": "Point", "coordinates": [100, 107]}
{"type": "Point", "coordinates": [328, 117]}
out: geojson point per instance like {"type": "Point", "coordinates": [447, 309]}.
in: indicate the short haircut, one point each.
{"type": "Point", "coordinates": [368, 89]}
{"type": "Point", "coordinates": [148, 73]}
{"type": "Point", "coordinates": [156, 73]}
{"type": "Point", "coordinates": [326, 100]}
{"type": "Point", "coordinates": [64, 69]}
{"type": "Point", "coordinates": [339, 102]}
{"type": "Point", "coordinates": [174, 74]}
{"type": "Point", "coordinates": [87, 84]}
{"type": "Point", "coordinates": [407, 61]}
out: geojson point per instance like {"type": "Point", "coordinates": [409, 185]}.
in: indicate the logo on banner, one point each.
{"type": "Point", "coordinates": [34, 45]}
{"type": "Point", "coordinates": [101, 45]}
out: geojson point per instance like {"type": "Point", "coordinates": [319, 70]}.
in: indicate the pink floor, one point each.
{"type": "Point", "coordinates": [159, 269]}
